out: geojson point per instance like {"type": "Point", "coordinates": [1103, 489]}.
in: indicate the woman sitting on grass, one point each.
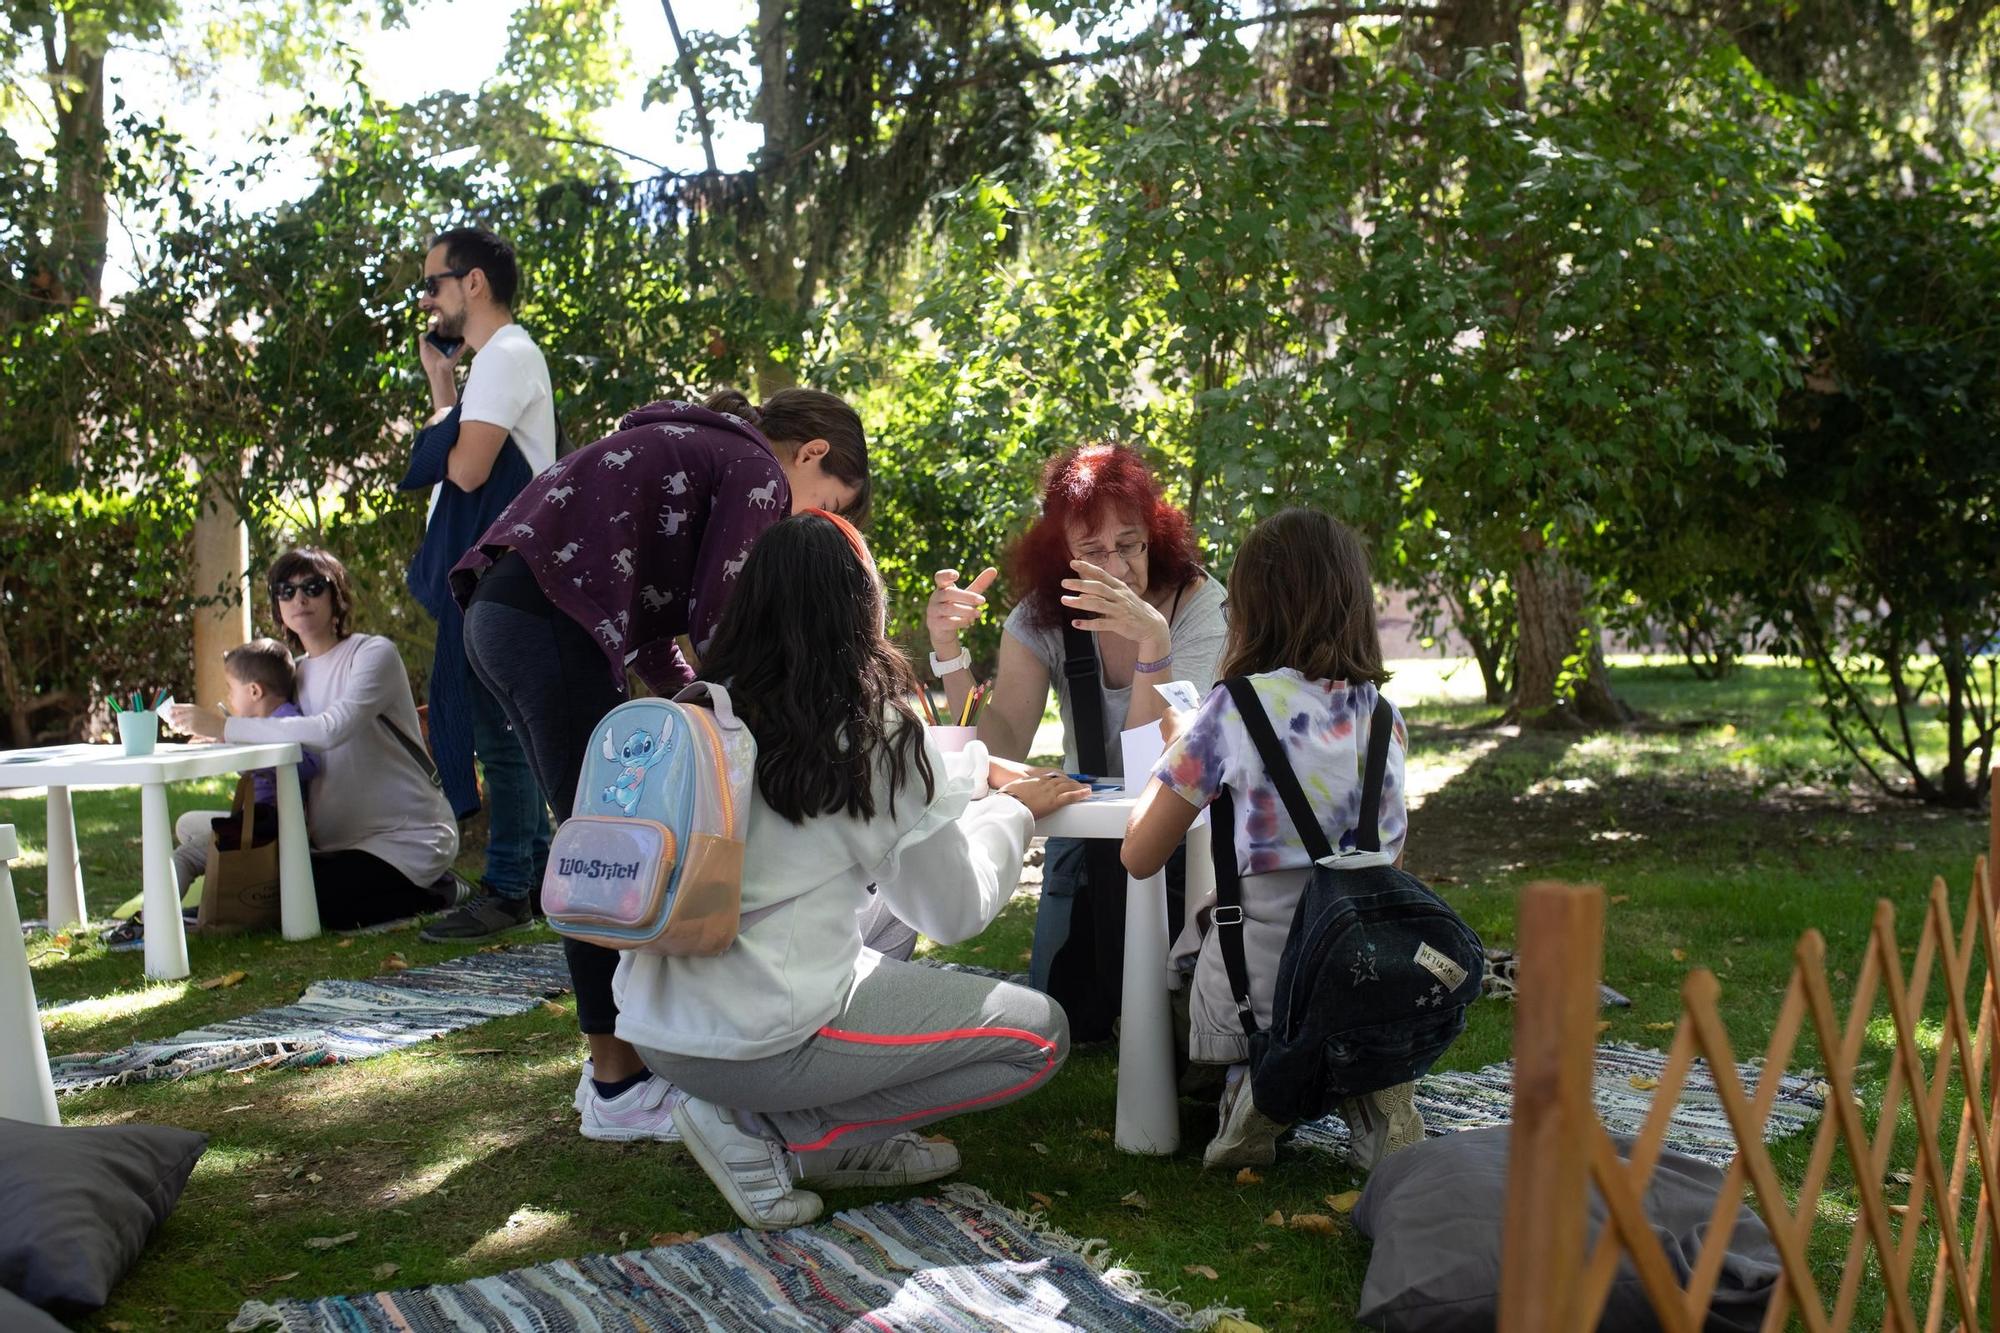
{"type": "Point", "coordinates": [807, 1058]}
{"type": "Point", "coordinates": [383, 836]}
{"type": "Point", "coordinates": [1302, 628]}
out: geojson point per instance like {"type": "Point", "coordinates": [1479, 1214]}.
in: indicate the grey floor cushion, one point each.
{"type": "Point", "coordinates": [77, 1204]}
{"type": "Point", "coordinates": [1434, 1212]}
{"type": "Point", "coordinates": [17, 1316]}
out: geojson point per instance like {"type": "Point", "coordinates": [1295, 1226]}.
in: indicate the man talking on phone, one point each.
{"type": "Point", "coordinates": [478, 450]}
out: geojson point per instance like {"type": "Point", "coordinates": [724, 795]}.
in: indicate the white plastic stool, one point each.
{"type": "Point", "coordinates": [27, 1094]}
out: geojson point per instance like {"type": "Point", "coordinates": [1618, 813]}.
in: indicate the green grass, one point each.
{"type": "Point", "coordinates": [1722, 826]}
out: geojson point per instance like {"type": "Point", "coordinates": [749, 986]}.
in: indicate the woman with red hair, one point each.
{"type": "Point", "coordinates": [1109, 557]}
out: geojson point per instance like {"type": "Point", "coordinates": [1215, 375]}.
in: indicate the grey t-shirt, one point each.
{"type": "Point", "coordinates": [1198, 630]}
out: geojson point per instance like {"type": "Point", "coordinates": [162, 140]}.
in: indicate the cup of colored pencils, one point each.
{"type": "Point", "coordinates": [949, 731]}
{"type": "Point", "coordinates": [138, 725]}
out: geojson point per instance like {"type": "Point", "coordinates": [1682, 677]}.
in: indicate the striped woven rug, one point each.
{"type": "Point", "coordinates": [337, 1021]}
{"type": "Point", "coordinates": [957, 1264]}
{"type": "Point", "coordinates": [1473, 1099]}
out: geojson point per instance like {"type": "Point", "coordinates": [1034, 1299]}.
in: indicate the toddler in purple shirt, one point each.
{"type": "Point", "coordinates": [262, 683]}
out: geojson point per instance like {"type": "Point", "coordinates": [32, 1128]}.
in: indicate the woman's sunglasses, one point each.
{"type": "Point", "coordinates": [312, 587]}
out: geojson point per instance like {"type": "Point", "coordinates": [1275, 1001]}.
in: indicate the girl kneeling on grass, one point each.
{"type": "Point", "coordinates": [1302, 627]}
{"type": "Point", "coordinates": [807, 1058]}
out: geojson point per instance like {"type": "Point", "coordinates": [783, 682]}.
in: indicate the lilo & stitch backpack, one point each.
{"type": "Point", "coordinates": [651, 857]}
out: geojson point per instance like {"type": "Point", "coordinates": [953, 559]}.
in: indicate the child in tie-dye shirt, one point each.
{"type": "Point", "coordinates": [1302, 629]}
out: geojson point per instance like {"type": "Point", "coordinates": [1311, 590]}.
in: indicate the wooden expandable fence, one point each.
{"type": "Point", "coordinates": [1543, 1287]}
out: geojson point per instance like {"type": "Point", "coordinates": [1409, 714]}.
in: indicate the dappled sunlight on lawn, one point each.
{"type": "Point", "coordinates": [528, 1232]}
{"type": "Point", "coordinates": [79, 1016]}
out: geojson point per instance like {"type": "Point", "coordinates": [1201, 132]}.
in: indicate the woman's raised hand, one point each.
{"type": "Point", "coordinates": [1046, 793]}
{"type": "Point", "coordinates": [951, 608]}
{"type": "Point", "coordinates": [1116, 608]}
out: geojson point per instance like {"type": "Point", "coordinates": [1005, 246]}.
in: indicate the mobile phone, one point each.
{"type": "Point", "coordinates": [447, 346]}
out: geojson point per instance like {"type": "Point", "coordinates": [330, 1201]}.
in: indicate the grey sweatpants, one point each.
{"type": "Point", "coordinates": [914, 1045]}
{"type": "Point", "coordinates": [193, 832]}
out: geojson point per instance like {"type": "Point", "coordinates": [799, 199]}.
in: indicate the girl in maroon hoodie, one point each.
{"type": "Point", "coordinates": [597, 567]}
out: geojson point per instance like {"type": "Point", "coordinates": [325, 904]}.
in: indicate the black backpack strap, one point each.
{"type": "Point", "coordinates": [1086, 697]}
{"type": "Point", "coordinates": [1368, 831]}
{"type": "Point", "coordinates": [418, 754]}
{"type": "Point", "coordinates": [1227, 919]}
{"type": "Point", "coordinates": [1277, 767]}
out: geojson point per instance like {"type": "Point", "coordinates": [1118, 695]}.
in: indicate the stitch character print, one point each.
{"type": "Point", "coordinates": [641, 753]}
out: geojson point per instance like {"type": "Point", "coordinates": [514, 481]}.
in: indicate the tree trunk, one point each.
{"type": "Point", "coordinates": [1550, 597]}
{"type": "Point", "coordinates": [221, 587]}
{"type": "Point", "coordinates": [78, 77]}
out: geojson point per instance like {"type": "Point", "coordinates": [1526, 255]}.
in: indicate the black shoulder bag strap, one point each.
{"type": "Point", "coordinates": [418, 753]}
{"type": "Point", "coordinates": [1086, 697]}
{"type": "Point", "coordinates": [1228, 916]}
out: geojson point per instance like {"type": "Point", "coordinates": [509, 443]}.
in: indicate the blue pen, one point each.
{"type": "Point", "coordinates": [1096, 784]}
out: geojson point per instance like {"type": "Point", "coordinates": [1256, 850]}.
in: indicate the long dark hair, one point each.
{"type": "Point", "coordinates": [792, 417]}
{"type": "Point", "coordinates": [811, 673]}
{"type": "Point", "coordinates": [1300, 597]}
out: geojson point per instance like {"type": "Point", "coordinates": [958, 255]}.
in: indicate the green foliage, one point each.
{"type": "Point", "coordinates": [93, 598]}
{"type": "Point", "coordinates": [1878, 550]}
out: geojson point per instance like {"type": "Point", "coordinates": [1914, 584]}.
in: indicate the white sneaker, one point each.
{"type": "Point", "coordinates": [906, 1159]}
{"type": "Point", "coordinates": [1246, 1136]}
{"type": "Point", "coordinates": [753, 1174]}
{"type": "Point", "coordinates": [643, 1111]}
{"type": "Point", "coordinates": [583, 1086]}
{"type": "Point", "coordinates": [1380, 1123]}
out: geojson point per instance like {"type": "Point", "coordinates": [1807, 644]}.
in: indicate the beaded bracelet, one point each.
{"type": "Point", "coordinates": [1160, 665]}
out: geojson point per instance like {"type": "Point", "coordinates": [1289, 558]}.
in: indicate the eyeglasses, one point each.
{"type": "Point", "coordinates": [312, 587]}
{"type": "Point", "coordinates": [1126, 551]}
{"type": "Point", "coordinates": [429, 286]}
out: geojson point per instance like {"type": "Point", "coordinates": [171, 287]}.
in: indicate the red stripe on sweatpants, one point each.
{"type": "Point", "coordinates": [1048, 1049]}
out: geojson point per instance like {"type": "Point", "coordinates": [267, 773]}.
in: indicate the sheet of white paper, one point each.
{"type": "Point", "coordinates": [1143, 747]}
{"type": "Point", "coordinates": [1180, 694]}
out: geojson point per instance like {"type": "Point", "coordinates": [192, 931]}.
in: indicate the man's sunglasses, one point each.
{"type": "Point", "coordinates": [429, 286]}
{"type": "Point", "coordinates": [312, 587]}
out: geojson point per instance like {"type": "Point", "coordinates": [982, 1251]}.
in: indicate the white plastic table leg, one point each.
{"type": "Point", "coordinates": [298, 907]}
{"type": "Point", "coordinates": [1148, 1116]}
{"type": "Point", "coordinates": [26, 1093]}
{"type": "Point", "coordinates": [65, 872]}
{"type": "Point", "coordinates": [166, 934]}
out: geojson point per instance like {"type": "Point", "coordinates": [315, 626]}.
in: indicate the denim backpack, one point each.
{"type": "Point", "coordinates": [1377, 971]}
{"type": "Point", "coordinates": [651, 858]}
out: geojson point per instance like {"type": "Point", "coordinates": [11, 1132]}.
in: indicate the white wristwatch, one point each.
{"type": "Point", "coordinates": [944, 666]}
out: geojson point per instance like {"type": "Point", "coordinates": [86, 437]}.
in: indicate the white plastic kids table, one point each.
{"type": "Point", "coordinates": [26, 1093]}
{"type": "Point", "coordinates": [1148, 1114]}
{"type": "Point", "coordinates": [60, 767]}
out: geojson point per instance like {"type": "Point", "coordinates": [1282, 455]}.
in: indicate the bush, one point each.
{"type": "Point", "coordinates": [94, 599]}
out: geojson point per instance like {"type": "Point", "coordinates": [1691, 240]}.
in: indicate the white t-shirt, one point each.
{"type": "Point", "coordinates": [508, 386]}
